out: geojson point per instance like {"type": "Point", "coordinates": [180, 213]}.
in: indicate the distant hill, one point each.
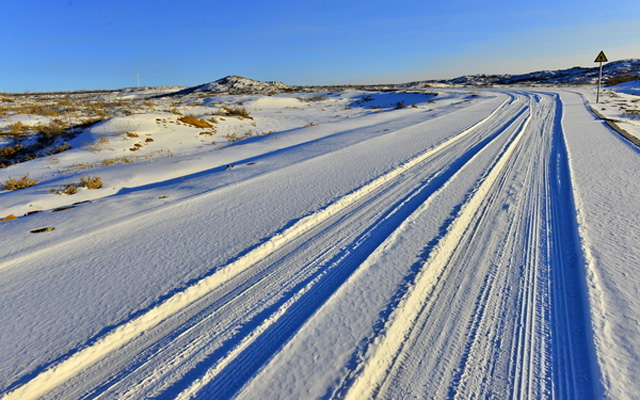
{"type": "Point", "coordinates": [234, 84]}
{"type": "Point", "coordinates": [612, 72]}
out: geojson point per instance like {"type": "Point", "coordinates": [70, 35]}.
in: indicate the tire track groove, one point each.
{"type": "Point", "coordinates": [368, 383]}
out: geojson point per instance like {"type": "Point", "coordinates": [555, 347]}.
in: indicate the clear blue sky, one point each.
{"type": "Point", "coordinates": [95, 44]}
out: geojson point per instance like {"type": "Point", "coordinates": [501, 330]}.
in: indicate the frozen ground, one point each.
{"type": "Point", "coordinates": [328, 245]}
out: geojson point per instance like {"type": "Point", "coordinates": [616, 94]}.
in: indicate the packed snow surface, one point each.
{"type": "Point", "coordinates": [350, 244]}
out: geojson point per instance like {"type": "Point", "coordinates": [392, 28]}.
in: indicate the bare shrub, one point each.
{"type": "Point", "coordinates": [19, 183]}
{"type": "Point", "coordinates": [195, 121]}
{"type": "Point", "coordinates": [9, 217]}
{"type": "Point", "coordinates": [60, 148]}
{"type": "Point", "coordinates": [17, 128]}
{"type": "Point", "coordinates": [239, 112]}
{"type": "Point", "coordinates": [7, 151]}
{"type": "Point", "coordinates": [231, 137]}
{"type": "Point", "coordinates": [91, 182]}
{"type": "Point", "coordinates": [117, 160]}
{"type": "Point", "coordinates": [68, 189]}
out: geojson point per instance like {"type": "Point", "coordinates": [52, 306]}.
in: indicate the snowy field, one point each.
{"type": "Point", "coordinates": [452, 243]}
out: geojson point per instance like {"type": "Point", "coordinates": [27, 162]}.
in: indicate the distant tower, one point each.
{"type": "Point", "coordinates": [137, 77]}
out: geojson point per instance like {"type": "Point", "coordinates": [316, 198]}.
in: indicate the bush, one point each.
{"type": "Point", "coordinates": [20, 183]}
{"type": "Point", "coordinates": [240, 112]}
{"type": "Point", "coordinates": [17, 128]}
{"type": "Point", "coordinates": [195, 121]}
{"type": "Point", "coordinates": [91, 182]}
{"type": "Point", "coordinates": [69, 188]}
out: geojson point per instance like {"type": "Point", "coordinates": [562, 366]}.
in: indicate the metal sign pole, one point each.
{"type": "Point", "coordinates": [600, 59]}
{"type": "Point", "coordinates": [599, 80]}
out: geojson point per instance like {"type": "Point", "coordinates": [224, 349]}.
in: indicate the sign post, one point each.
{"type": "Point", "coordinates": [600, 59]}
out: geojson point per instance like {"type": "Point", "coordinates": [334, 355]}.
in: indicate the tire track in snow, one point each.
{"type": "Point", "coordinates": [77, 362]}
{"type": "Point", "coordinates": [376, 368]}
{"type": "Point", "coordinates": [468, 357]}
{"type": "Point", "coordinates": [353, 250]}
{"type": "Point", "coordinates": [227, 373]}
{"type": "Point", "coordinates": [575, 360]}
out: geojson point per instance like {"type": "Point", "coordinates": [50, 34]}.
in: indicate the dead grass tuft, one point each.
{"type": "Point", "coordinates": [91, 182]}
{"type": "Point", "coordinates": [17, 128]}
{"type": "Point", "coordinates": [231, 137]}
{"type": "Point", "coordinates": [195, 121]}
{"type": "Point", "coordinates": [68, 189]}
{"type": "Point", "coordinates": [19, 183]}
{"type": "Point", "coordinates": [239, 112]}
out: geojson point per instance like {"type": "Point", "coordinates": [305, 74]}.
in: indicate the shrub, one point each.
{"type": "Point", "coordinates": [60, 148]}
{"type": "Point", "coordinates": [9, 217]}
{"type": "Point", "coordinates": [240, 112]}
{"type": "Point", "coordinates": [17, 128]}
{"type": "Point", "coordinates": [7, 151]}
{"type": "Point", "coordinates": [195, 121]}
{"type": "Point", "coordinates": [19, 183]}
{"type": "Point", "coordinates": [91, 182]}
{"type": "Point", "coordinates": [117, 160]}
{"type": "Point", "coordinates": [69, 188]}
{"type": "Point", "coordinates": [231, 137]}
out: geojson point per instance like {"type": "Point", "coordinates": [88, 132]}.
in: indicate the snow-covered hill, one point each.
{"type": "Point", "coordinates": [571, 76]}
{"type": "Point", "coordinates": [234, 84]}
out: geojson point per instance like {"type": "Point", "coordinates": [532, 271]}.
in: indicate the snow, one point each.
{"type": "Point", "coordinates": [346, 247]}
{"type": "Point", "coordinates": [603, 167]}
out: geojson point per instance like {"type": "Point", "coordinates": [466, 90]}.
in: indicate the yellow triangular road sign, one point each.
{"type": "Point", "coordinates": [601, 57]}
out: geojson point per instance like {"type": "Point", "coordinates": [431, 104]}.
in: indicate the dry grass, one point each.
{"type": "Point", "coordinates": [68, 189]}
{"type": "Point", "coordinates": [19, 183]}
{"type": "Point", "coordinates": [195, 121]}
{"type": "Point", "coordinates": [239, 112]}
{"type": "Point", "coordinates": [17, 128]}
{"type": "Point", "coordinates": [91, 182]}
{"type": "Point", "coordinates": [231, 137]}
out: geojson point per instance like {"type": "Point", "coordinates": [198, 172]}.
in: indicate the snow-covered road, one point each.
{"type": "Point", "coordinates": [408, 254]}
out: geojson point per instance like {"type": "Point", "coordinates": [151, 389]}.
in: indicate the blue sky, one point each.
{"type": "Point", "coordinates": [98, 44]}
